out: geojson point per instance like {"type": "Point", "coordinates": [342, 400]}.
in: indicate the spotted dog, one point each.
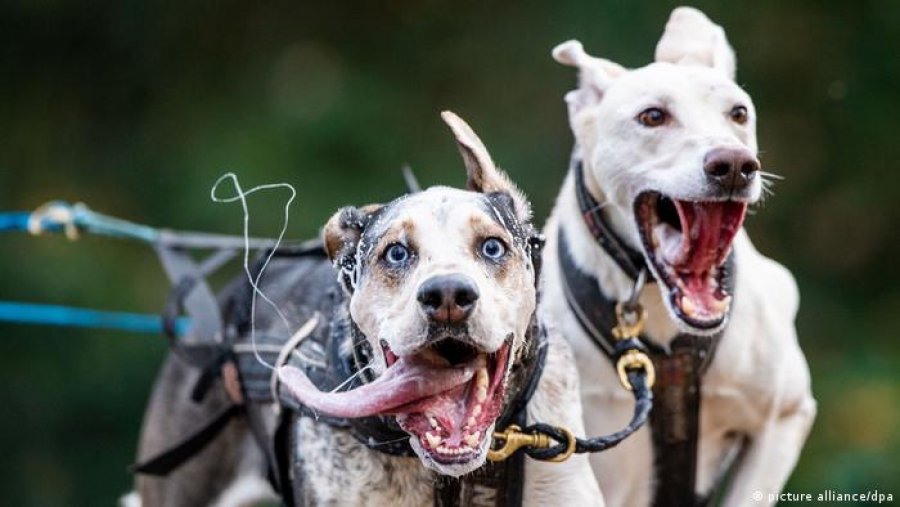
{"type": "Point", "coordinates": [434, 300]}
{"type": "Point", "coordinates": [666, 159]}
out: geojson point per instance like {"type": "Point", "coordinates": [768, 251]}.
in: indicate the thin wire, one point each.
{"type": "Point", "coordinates": [241, 196]}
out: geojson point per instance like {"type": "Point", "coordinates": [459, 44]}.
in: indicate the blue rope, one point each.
{"type": "Point", "coordinates": [14, 221]}
{"type": "Point", "coordinates": [54, 315]}
{"type": "Point", "coordinates": [83, 219]}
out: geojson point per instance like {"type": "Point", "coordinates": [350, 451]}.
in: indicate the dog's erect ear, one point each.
{"type": "Point", "coordinates": [483, 175]}
{"type": "Point", "coordinates": [692, 39]}
{"type": "Point", "coordinates": [342, 231]}
{"type": "Point", "coordinates": [594, 74]}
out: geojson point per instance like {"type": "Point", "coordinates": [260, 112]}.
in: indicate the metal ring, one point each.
{"type": "Point", "coordinates": [638, 287]}
{"type": "Point", "coordinates": [570, 447]}
{"type": "Point", "coordinates": [634, 359]}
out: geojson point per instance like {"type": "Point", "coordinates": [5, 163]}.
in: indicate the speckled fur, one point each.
{"type": "Point", "coordinates": [335, 469]}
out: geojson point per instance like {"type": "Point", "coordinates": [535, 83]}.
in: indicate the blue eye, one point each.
{"type": "Point", "coordinates": [396, 254]}
{"type": "Point", "coordinates": [493, 249]}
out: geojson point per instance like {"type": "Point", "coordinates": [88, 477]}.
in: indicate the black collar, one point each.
{"type": "Point", "coordinates": [630, 260]}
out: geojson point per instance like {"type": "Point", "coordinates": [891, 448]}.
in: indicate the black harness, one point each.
{"type": "Point", "coordinates": [675, 417]}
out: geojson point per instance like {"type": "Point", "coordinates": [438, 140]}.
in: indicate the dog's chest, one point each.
{"type": "Point", "coordinates": [338, 470]}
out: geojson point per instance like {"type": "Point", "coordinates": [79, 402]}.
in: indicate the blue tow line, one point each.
{"type": "Point", "coordinates": [55, 315]}
{"type": "Point", "coordinates": [62, 217]}
{"type": "Point", "coordinates": [14, 221]}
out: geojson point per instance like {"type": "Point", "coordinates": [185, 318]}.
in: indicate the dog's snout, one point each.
{"type": "Point", "coordinates": [732, 168]}
{"type": "Point", "coordinates": [448, 298]}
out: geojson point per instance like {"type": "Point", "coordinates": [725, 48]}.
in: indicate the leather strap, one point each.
{"type": "Point", "coordinates": [172, 458]}
{"type": "Point", "coordinates": [629, 260]}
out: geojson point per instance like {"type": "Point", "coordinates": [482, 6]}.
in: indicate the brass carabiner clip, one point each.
{"type": "Point", "coordinates": [514, 439]}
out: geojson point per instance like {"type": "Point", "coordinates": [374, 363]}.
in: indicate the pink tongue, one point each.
{"type": "Point", "coordinates": [709, 229]}
{"type": "Point", "coordinates": [406, 381]}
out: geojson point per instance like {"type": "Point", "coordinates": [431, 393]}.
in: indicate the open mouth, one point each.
{"type": "Point", "coordinates": [452, 426]}
{"type": "Point", "coordinates": [447, 396]}
{"type": "Point", "coordinates": [686, 243]}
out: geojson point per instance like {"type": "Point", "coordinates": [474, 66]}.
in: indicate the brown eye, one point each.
{"type": "Point", "coordinates": [738, 114]}
{"type": "Point", "coordinates": [652, 117]}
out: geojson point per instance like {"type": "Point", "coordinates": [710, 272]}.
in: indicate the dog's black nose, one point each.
{"type": "Point", "coordinates": [448, 298]}
{"type": "Point", "coordinates": [731, 168]}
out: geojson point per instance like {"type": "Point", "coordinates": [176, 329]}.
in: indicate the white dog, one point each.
{"type": "Point", "coordinates": [668, 155]}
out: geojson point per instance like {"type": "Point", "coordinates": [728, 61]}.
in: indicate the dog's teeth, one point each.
{"type": "Point", "coordinates": [721, 305]}
{"type": "Point", "coordinates": [481, 377]}
{"type": "Point", "coordinates": [471, 422]}
{"type": "Point", "coordinates": [472, 439]}
{"type": "Point", "coordinates": [687, 306]}
{"type": "Point", "coordinates": [476, 411]}
{"type": "Point", "coordinates": [481, 384]}
{"type": "Point", "coordinates": [433, 440]}
{"type": "Point", "coordinates": [433, 422]}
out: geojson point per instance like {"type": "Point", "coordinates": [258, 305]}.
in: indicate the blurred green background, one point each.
{"type": "Point", "coordinates": [136, 109]}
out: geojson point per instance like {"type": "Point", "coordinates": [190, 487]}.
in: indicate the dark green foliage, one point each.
{"type": "Point", "coordinates": [136, 109]}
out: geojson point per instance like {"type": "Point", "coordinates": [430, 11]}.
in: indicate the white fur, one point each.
{"type": "Point", "coordinates": [130, 499]}
{"type": "Point", "coordinates": [444, 228]}
{"type": "Point", "coordinates": [758, 385]}
{"type": "Point", "coordinates": [248, 489]}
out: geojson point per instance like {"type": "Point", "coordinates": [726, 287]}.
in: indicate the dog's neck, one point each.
{"type": "Point", "coordinates": [590, 257]}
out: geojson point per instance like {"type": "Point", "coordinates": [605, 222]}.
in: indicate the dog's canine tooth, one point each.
{"type": "Point", "coordinates": [481, 384]}
{"type": "Point", "coordinates": [721, 305]}
{"type": "Point", "coordinates": [433, 440]}
{"type": "Point", "coordinates": [472, 439]}
{"type": "Point", "coordinates": [481, 377]}
{"type": "Point", "coordinates": [687, 306]}
{"type": "Point", "coordinates": [433, 422]}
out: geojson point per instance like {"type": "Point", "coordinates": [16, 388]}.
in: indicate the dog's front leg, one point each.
{"type": "Point", "coordinates": [774, 449]}
{"type": "Point", "coordinates": [556, 401]}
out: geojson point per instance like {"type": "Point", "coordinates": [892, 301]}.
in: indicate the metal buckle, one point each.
{"type": "Point", "coordinates": [514, 439]}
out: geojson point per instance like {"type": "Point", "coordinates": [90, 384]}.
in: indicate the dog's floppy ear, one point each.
{"type": "Point", "coordinates": [341, 236]}
{"type": "Point", "coordinates": [342, 231]}
{"type": "Point", "coordinates": [594, 74]}
{"type": "Point", "coordinates": [483, 175]}
{"type": "Point", "coordinates": [691, 38]}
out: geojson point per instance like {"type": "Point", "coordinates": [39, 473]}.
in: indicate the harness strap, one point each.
{"type": "Point", "coordinates": [172, 458]}
{"type": "Point", "coordinates": [675, 418]}
{"type": "Point", "coordinates": [675, 423]}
